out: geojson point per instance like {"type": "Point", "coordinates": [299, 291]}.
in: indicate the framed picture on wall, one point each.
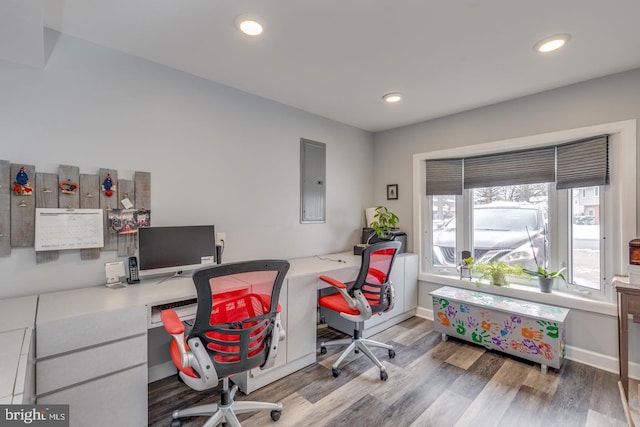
{"type": "Point", "coordinates": [392, 192]}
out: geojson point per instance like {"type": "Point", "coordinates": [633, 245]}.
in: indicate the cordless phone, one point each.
{"type": "Point", "coordinates": [133, 271]}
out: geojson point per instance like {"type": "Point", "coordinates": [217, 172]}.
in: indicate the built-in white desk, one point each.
{"type": "Point", "coordinates": [17, 318]}
{"type": "Point", "coordinates": [92, 342]}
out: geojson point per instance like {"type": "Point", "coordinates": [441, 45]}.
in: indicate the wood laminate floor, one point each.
{"type": "Point", "coordinates": [431, 383]}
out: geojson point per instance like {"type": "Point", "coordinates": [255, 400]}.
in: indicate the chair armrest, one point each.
{"type": "Point", "coordinates": [171, 322]}
{"type": "Point", "coordinates": [173, 325]}
{"type": "Point", "coordinates": [340, 287]}
{"type": "Point", "coordinates": [333, 282]}
{"type": "Point", "coordinates": [277, 335]}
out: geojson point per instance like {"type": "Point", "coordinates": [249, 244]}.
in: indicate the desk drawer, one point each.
{"type": "Point", "coordinates": [115, 400]}
{"type": "Point", "coordinates": [80, 366]}
{"type": "Point", "coordinates": [86, 331]}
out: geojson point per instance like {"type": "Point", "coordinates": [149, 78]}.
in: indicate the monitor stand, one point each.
{"type": "Point", "coordinates": [176, 274]}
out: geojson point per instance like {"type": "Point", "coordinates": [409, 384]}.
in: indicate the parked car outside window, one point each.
{"type": "Point", "coordinates": [500, 233]}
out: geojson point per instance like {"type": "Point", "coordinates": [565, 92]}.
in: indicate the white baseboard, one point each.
{"type": "Point", "coordinates": [163, 370]}
{"type": "Point", "coordinates": [590, 358]}
{"type": "Point", "coordinates": [425, 313]}
{"type": "Point", "coordinates": [586, 357]}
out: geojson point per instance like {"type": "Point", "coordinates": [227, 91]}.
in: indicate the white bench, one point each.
{"type": "Point", "coordinates": [524, 329]}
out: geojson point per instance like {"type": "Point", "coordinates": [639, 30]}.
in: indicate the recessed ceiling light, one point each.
{"type": "Point", "coordinates": [392, 97]}
{"type": "Point", "coordinates": [249, 26]}
{"type": "Point", "coordinates": [552, 43]}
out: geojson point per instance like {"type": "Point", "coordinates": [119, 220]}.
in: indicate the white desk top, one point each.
{"type": "Point", "coordinates": [18, 313]}
{"type": "Point", "coordinates": [78, 302]}
{"type": "Point", "coordinates": [323, 263]}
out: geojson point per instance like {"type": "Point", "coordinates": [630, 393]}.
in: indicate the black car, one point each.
{"type": "Point", "coordinates": [501, 233]}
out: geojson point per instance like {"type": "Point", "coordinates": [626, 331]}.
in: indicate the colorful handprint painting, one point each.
{"type": "Point", "coordinates": [522, 328]}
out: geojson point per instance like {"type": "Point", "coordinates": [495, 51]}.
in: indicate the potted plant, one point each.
{"type": "Point", "coordinates": [384, 222]}
{"type": "Point", "coordinates": [466, 266]}
{"type": "Point", "coordinates": [497, 271]}
{"type": "Point", "coordinates": [546, 277]}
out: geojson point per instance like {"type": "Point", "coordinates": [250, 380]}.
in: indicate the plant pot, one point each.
{"type": "Point", "coordinates": [498, 279]}
{"type": "Point", "coordinates": [546, 284]}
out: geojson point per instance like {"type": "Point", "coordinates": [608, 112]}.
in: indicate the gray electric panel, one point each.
{"type": "Point", "coordinates": [312, 181]}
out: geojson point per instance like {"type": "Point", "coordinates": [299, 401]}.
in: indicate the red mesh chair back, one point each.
{"type": "Point", "coordinates": [373, 279]}
{"type": "Point", "coordinates": [237, 306]}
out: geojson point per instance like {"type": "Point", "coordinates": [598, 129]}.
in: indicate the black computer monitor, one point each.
{"type": "Point", "coordinates": [176, 249]}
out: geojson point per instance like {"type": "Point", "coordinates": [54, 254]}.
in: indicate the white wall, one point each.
{"type": "Point", "coordinates": [215, 154]}
{"type": "Point", "coordinates": [592, 337]}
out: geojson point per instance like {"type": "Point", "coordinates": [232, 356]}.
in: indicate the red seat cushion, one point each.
{"type": "Point", "coordinates": [337, 303]}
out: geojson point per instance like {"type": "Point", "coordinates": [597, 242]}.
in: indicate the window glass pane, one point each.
{"type": "Point", "coordinates": [444, 231]}
{"type": "Point", "coordinates": [585, 237]}
{"type": "Point", "coordinates": [503, 220]}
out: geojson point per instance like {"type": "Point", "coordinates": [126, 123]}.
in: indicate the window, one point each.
{"type": "Point", "coordinates": [560, 223]}
{"type": "Point", "coordinates": [444, 227]}
{"type": "Point", "coordinates": [509, 224]}
{"type": "Point", "coordinates": [586, 263]}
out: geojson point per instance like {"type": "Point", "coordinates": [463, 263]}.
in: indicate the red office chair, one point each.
{"type": "Point", "coordinates": [237, 328]}
{"type": "Point", "coordinates": [357, 301]}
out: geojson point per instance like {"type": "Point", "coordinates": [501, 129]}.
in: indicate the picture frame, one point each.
{"type": "Point", "coordinates": [392, 192]}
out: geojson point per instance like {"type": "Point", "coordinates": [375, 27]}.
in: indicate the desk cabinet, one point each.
{"type": "Point", "coordinates": [96, 363]}
{"type": "Point", "coordinates": [298, 303]}
{"type": "Point", "coordinates": [17, 346]}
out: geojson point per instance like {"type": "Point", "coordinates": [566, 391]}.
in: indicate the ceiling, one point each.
{"type": "Point", "coordinates": [336, 58]}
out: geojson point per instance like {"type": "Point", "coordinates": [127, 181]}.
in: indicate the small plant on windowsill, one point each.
{"type": "Point", "coordinates": [466, 266]}
{"type": "Point", "coordinates": [545, 277]}
{"type": "Point", "coordinates": [497, 271]}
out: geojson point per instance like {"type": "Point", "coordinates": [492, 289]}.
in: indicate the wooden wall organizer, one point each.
{"type": "Point", "coordinates": [50, 190]}
{"type": "Point", "coordinates": [89, 199]}
{"type": "Point", "coordinates": [46, 197]}
{"type": "Point", "coordinates": [109, 203]}
{"type": "Point", "coordinates": [126, 242]}
{"type": "Point", "coordinates": [23, 210]}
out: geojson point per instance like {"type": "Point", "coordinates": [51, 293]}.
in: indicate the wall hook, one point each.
{"type": "Point", "coordinates": [23, 204]}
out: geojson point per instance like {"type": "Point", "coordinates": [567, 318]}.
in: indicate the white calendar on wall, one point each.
{"type": "Point", "coordinates": [61, 229]}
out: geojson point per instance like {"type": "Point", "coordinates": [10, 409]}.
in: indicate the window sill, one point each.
{"type": "Point", "coordinates": [562, 298]}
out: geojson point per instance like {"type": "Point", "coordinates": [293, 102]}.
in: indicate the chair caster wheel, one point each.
{"type": "Point", "coordinates": [275, 415]}
{"type": "Point", "coordinates": [383, 375]}
{"type": "Point", "coordinates": [335, 372]}
{"type": "Point", "coordinates": [392, 354]}
{"type": "Point", "coordinates": [323, 349]}
{"type": "Point", "coordinates": [176, 423]}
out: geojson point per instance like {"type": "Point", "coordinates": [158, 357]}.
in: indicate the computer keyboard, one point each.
{"type": "Point", "coordinates": [176, 304]}
{"type": "Point", "coordinates": [186, 310]}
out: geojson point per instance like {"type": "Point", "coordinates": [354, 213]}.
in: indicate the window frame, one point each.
{"type": "Point", "coordinates": [619, 198]}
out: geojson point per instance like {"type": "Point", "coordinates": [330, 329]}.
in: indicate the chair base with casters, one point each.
{"type": "Point", "coordinates": [371, 293]}
{"type": "Point", "coordinates": [356, 345]}
{"type": "Point", "coordinates": [226, 410]}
